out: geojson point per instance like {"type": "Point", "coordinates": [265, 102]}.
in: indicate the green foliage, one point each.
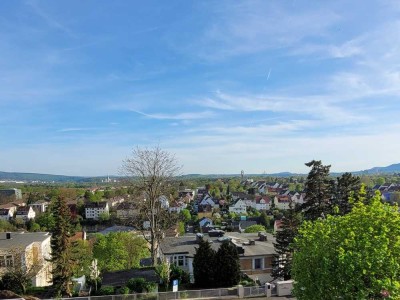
{"type": "Point", "coordinates": [204, 265]}
{"type": "Point", "coordinates": [32, 226]}
{"type": "Point", "coordinates": [345, 186]}
{"type": "Point", "coordinates": [266, 220]}
{"type": "Point", "coordinates": [254, 228]}
{"type": "Point", "coordinates": [355, 256]}
{"type": "Point", "coordinates": [283, 244]}
{"type": "Point", "coordinates": [46, 221]}
{"type": "Point", "coordinates": [179, 274]}
{"type": "Point", "coordinates": [13, 281]}
{"type": "Point", "coordinates": [216, 269]}
{"type": "Point", "coordinates": [6, 226]}
{"type": "Point", "coordinates": [318, 191]}
{"type": "Point", "coordinates": [163, 271]}
{"type": "Point", "coordinates": [119, 251]}
{"type": "Point", "coordinates": [181, 228]}
{"type": "Point", "coordinates": [185, 215]}
{"type": "Point", "coordinates": [104, 216]}
{"type": "Point", "coordinates": [106, 290]}
{"type": "Point", "coordinates": [82, 257]}
{"type": "Point", "coordinates": [123, 290]}
{"type": "Point", "coordinates": [227, 268]}
{"type": "Point", "coordinates": [140, 285]}
{"type": "Point", "coordinates": [61, 248]}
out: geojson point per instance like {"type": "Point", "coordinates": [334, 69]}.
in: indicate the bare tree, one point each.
{"type": "Point", "coordinates": [152, 172]}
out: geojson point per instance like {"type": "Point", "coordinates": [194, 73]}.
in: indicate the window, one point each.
{"type": "Point", "coordinates": [258, 264]}
{"type": "Point", "coordinates": [181, 260]}
{"type": "Point", "coordinates": [9, 261]}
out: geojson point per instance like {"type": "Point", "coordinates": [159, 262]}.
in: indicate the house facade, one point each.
{"type": "Point", "coordinates": [30, 251]}
{"type": "Point", "coordinates": [93, 210]}
{"type": "Point", "coordinates": [255, 256]}
{"type": "Point", "coordinates": [239, 207]}
{"type": "Point", "coordinates": [39, 206]}
{"type": "Point", "coordinates": [126, 210]}
{"type": "Point", "coordinates": [282, 201]}
{"type": "Point", "coordinates": [25, 213]}
{"type": "Point", "coordinates": [6, 214]}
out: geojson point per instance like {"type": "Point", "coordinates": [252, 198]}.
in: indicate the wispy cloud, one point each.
{"type": "Point", "coordinates": [75, 129]}
{"type": "Point", "coordinates": [50, 20]}
{"type": "Point", "coordinates": [178, 116]}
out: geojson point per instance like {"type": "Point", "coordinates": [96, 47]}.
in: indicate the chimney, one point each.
{"type": "Point", "coordinates": [8, 235]}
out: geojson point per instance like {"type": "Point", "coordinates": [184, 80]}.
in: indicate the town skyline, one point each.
{"type": "Point", "coordinates": [253, 86]}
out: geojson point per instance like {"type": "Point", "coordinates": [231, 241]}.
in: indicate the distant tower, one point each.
{"type": "Point", "coordinates": [108, 178]}
{"type": "Point", "coordinates": [242, 174]}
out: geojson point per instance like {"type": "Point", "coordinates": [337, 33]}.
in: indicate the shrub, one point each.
{"type": "Point", "coordinates": [140, 285]}
{"type": "Point", "coordinates": [106, 290]}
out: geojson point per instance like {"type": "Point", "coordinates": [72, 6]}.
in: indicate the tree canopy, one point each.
{"type": "Point", "coordinates": [227, 265]}
{"type": "Point", "coordinates": [283, 244]}
{"type": "Point", "coordinates": [355, 256]}
{"type": "Point", "coordinates": [254, 228]}
{"type": "Point", "coordinates": [204, 265]}
{"type": "Point", "coordinates": [119, 251]}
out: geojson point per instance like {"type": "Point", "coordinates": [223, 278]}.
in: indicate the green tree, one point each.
{"type": "Point", "coordinates": [283, 244]}
{"type": "Point", "coordinates": [140, 285]}
{"type": "Point", "coordinates": [254, 228]}
{"type": "Point", "coordinates": [185, 215]}
{"type": "Point", "coordinates": [345, 186]}
{"type": "Point", "coordinates": [46, 221]}
{"type": "Point", "coordinates": [119, 251]}
{"type": "Point", "coordinates": [318, 189]}
{"type": "Point", "coordinates": [355, 256]}
{"type": "Point", "coordinates": [204, 265]}
{"type": "Point", "coordinates": [163, 271]}
{"type": "Point", "coordinates": [82, 257]}
{"type": "Point", "coordinates": [227, 265]}
{"type": "Point", "coordinates": [61, 248]}
{"type": "Point", "coordinates": [6, 226]}
{"type": "Point", "coordinates": [380, 180]}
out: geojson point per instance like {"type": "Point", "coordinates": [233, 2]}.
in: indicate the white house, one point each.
{"type": "Point", "coordinates": [39, 206]}
{"type": "Point", "coordinates": [239, 207]}
{"type": "Point", "coordinates": [93, 210]}
{"type": "Point", "coordinates": [25, 213]}
{"type": "Point", "coordinates": [177, 206]}
{"type": "Point", "coordinates": [282, 201]}
{"type": "Point", "coordinates": [29, 250]}
{"type": "Point", "coordinates": [262, 203]}
{"type": "Point", "coordinates": [6, 214]}
{"type": "Point", "coordinates": [164, 201]}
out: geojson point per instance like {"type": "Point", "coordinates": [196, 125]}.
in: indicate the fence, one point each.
{"type": "Point", "coordinates": [228, 293]}
{"type": "Point", "coordinates": [252, 291]}
{"type": "Point", "coordinates": [188, 294]}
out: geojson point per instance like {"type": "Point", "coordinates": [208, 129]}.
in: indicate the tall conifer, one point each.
{"type": "Point", "coordinates": [283, 244]}
{"type": "Point", "coordinates": [61, 248]}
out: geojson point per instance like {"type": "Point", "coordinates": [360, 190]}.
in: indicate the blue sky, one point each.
{"type": "Point", "coordinates": [259, 86]}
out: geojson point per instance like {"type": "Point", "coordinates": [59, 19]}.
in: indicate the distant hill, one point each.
{"type": "Point", "coordinates": [394, 168]}
{"type": "Point", "coordinates": [35, 177]}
